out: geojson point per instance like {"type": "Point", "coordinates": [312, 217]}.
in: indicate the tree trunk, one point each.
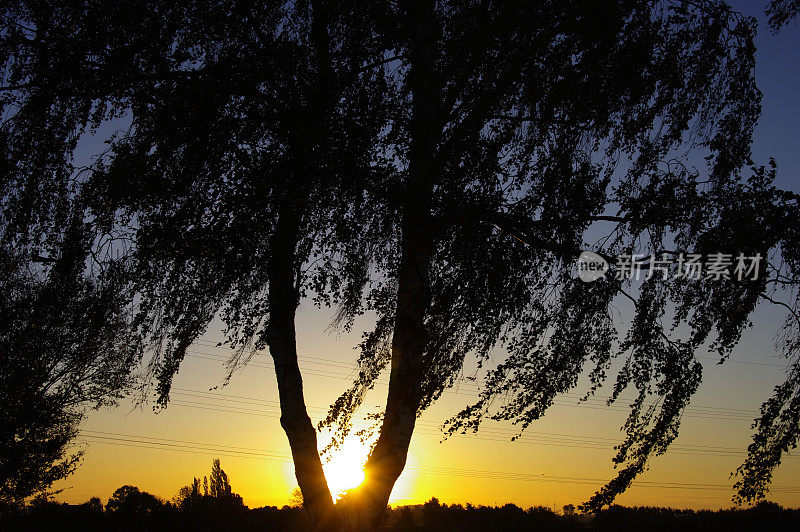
{"type": "Point", "coordinates": [284, 293]}
{"type": "Point", "coordinates": [409, 340]}
{"type": "Point", "coordinates": [283, 302]}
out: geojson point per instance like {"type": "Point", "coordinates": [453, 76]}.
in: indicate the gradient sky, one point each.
{"type": "Point", "coordinates": [562, 459]}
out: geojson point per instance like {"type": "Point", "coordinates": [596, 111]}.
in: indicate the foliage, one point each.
{"type": "Point", "coordinates": [177, 71]}
{"type": "Point", "coordinates": [128, 502]}
{"type": "Point", "coordinates": [568, 128]}
{"type": "Point", "coordinates": [64, 347]}
{"type": "Point", "coordinates": [781, 12]}
{"type": "Point", "coordinates": [94, 504]}
{"type": "Point", "coordinates": [226, 146]}
{"type": "Point", "coordinates": [216, 493]}
{"type": "Point", "coordinates": [428, 517]}
{"type": "Point", "coordinates": [296, 498]}
{"type": "Point", "coordinates": [64, 343]}
{"type": "Point", "coordinates": [440, 164]}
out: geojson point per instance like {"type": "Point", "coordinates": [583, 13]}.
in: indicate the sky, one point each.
{"type": "Point", "coordinates": [562, 459]}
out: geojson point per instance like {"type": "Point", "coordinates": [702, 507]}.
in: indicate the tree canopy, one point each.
{"type": "Point", "coordinates": [440, 164]}
{"type": "Point", "coordinates": [215, 494]}
{"type": "Point", "coordinates": [131, 503]}
{"type": "Point", "coordinates": [62, 349]}
{"type": "Point", "coordinates": [64, 343]}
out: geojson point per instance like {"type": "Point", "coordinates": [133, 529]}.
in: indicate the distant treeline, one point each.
{"type": "Point", "coordinates": [140, 511]}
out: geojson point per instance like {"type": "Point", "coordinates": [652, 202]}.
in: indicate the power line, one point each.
{"type": "Point", "coordinates": [716, 359]}
{"type": "Point", "coordinates": [695, 411]}
{"type": "Point", "coordinates": [489, 434]}
{"type": "Point", "coordinates": [128, 440]}
{"type": "Point", "coordinates": [257, 402]}
{"type": "Point", "coordinates": [462, 381]}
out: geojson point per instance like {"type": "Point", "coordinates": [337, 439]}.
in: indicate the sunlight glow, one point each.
{"type": "Point", "coordinates": [345, 469]}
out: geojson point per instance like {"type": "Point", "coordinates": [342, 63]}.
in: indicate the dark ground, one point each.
{"type": "Point", "coordinates": [431, 516]}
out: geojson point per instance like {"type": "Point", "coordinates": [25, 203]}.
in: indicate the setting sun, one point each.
{"type": "Point", "coordinates": [345, 469]}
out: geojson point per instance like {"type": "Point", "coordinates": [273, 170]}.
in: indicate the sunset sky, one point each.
{"type": "Point", "coordinates": [561, 459]}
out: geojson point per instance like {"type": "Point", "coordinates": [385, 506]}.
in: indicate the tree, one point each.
{"type": "Point", "coordinates": [217, 493]}
{"type": "Point", "coordinates": [512, 143]}
{"type": "Point", "coordinates": [438, 163]}
{"type": "Point", "coordinates": [129, 503]}
{"type": "Point", "coordinates": [296, 498]}
{"type": "Point", "coordinates": [64, 345]}
{"type": "Point", "coordinates": [218, 487]}
{"type": "Point", "coordinates": [280, 133]}
{"type": "Point", "coordinates": [190, 496]}
{"type": "Point", "coordinates": [94, 505]}
{"type": "Point", "coordinates": [62, 350]}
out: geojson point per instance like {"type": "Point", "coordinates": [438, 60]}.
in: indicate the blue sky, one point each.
{"type": "Point", "coordinates": [778, 76]}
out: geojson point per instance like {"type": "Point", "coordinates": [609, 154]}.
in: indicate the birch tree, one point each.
{"type": "Point", "coordinates": [440, 164]}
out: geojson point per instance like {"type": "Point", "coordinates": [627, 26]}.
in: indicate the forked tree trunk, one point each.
{"type": "Point", "coordinates": [409, 340]}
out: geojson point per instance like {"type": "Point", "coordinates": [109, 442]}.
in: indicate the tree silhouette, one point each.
{"type": "Point", "coordinates": [190, 496]}
{"type": "Point", "coordinates": [440, 164]}
{"type": "Point", "coordinates": [94, 505]}
{"type": "Point", "coordinates": [218, 486]}
{"type": "Point", "coordinates": [297, 128]}
{"type": "Point", "coordinates": [217, 495]}
{"type": "Point", "coordinates": [63, 343]}
{"type": "Point", "coordinates": [127, 502]}
{"type": "Point", "coordinates": [296, 498]}
{"type": "Point", "coordinates": [512, 148]}
{"type": "Point", "coordinates": [63, 346]}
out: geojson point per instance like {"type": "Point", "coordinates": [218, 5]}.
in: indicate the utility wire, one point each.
{"type": "Point", "coordinates": [431, 427]}
{"type": "Point", "coordinates": [128, 440]}
{"type": "Point", "coordinates": [695, 411]}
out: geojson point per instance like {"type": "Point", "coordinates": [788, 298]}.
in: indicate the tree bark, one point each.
{"type": "Point", "coordinates": [281, 338]}
{"type": "Point", "coordinates": [409, 340]}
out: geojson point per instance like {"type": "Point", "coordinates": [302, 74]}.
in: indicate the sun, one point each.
{"type": "Point", "coordinates": [345, 469]}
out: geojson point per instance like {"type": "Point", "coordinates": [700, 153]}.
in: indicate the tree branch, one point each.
{"type": "Point", "coordinates": [788, 307]}
{"type": "Point", "coordinates": [379, 63]}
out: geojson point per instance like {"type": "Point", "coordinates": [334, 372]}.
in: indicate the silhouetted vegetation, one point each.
{"type": "Point", "coordinates": [60, 346]}
{"type": "Point", "coordinates": [436, 163]}
{"type": "Point", "coordinates": [133, 510]}
{"type": "Point", "coordinates": [129, 503]}
{"type": "Point", "coordinates": [782, 12]}
{"type": "Point", "coordinates": [216, 495]}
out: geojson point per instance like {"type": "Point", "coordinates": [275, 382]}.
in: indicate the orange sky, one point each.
{"type": "Point", "coordinates": [562, 459]}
